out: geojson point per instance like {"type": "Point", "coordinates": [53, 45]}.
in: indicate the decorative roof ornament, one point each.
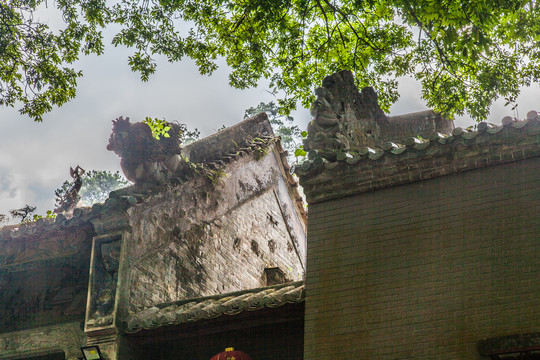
{"type": "Point", "coordinates": [144, 159]}
{"type": "Point", "coordinates": [71, 197]}
{"type": "Point", "coordinates": [149, 161]}
{"type": "Point", "coordinates": [347, 120]}
{"type": "Point", "coordinates": [420, 158]}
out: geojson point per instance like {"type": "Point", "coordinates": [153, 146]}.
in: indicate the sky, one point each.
{"type": "Point", "coordinates": [35, 157]}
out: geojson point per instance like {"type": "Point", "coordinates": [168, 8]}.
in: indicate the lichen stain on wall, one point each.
{"type": "Point", "coordinates": [197, 239]}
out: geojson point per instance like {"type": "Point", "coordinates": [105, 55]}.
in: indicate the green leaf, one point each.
{"type": "Point", "coordinates": [300, 152]}
{"type": "Point", "coordinates": [466, 54]}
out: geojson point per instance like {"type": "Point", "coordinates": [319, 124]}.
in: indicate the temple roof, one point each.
{"type": "Point", "coordinates": [191, 310]}
{"type": "Point", "coordinates": [419, 158]}
{"type": "Point", "coordinates": [249, 137]}
{"type": "Point", "coordinates": [45, 225]}
{"type": "Point", "coordinates": [27, 245]}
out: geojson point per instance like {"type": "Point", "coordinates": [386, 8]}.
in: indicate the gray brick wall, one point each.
{"type": "Point", "coordinates": [425, 270]}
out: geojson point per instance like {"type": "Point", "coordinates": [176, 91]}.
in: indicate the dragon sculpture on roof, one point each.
{"type": "Point", "coordinates": [145, 159]}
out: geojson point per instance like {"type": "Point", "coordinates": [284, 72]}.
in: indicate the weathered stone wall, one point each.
{"type": "Point", "coordinates": [67, 337]}
{"type": "Point", "coordinates": [203, 239]}
{"type": "Point", "coordinates": [44, 279]}
{"type": "Point", "coordinates": [425, 270]}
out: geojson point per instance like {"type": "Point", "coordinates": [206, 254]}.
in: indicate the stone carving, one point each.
{"type": "Point", "coordinates": [343, 118]}
{"type": "Point", "coordinates": [346, 120]}
{"type": "Point", "coordinates": [105, 277]}
{"type": "Point", "coordinates": [145, 159]}
{"type": "Point", "coordinates": [71, 197]}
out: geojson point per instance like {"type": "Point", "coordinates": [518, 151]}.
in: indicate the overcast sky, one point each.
{"type": "Point", "coordinates": [35, 157]}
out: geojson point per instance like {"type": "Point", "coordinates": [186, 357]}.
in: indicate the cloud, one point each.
{"type": "Point", "coordinates": [35, 157]}
{"type": "Point", "coordinates": [13, 191]}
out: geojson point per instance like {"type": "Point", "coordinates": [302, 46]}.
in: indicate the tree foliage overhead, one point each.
{"type": "Point", "coordinates": [33, 59]}
{"type": "Point", "coordinates": [465, 53]}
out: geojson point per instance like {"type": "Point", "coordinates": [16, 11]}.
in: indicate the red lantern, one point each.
{"type": "Point", "coordinates": [231, 354]}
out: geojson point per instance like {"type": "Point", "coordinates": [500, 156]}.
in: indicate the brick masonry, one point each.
{"type": "Point", "coordinates": [425, 270]}
{"type": "Point", "coordinates": [199, 240]}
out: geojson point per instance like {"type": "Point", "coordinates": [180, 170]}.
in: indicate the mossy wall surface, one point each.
{"type": "Point", "coordinates": [210, 237]}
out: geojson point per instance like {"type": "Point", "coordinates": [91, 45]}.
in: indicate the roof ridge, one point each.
{"type": "Point", "coordinates": [80, 215]}
{"type": "Point", "coordinates": [315, 160]}
{"type": "Point", "coordinates": [415, 159]}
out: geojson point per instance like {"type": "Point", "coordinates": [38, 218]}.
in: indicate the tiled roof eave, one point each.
{"type": "Point", "coordinates": [192, 310]}
{"type": "Point", "coordinates": [46, 226]}
{"type": "Point", "coordinates": [419, 159]}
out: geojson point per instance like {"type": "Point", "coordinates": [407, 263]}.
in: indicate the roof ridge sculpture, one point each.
{"type": "Point", "coordinates": [121, 199]}
{"type": "Point", "coordinates": [144, 159]}
{"type": "Point", "coordinates": [511, 141]}
{"type": "Point", "coordinates": [417, 143]}
{"type": "Point", "coordinates": [346, 120]}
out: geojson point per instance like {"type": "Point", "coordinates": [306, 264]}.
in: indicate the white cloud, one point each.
{"type": "Point", "coordinates": [35, 157]}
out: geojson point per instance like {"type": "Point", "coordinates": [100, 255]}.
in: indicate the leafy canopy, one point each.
{"type": "Point", "coordinates": [96, 186]}
{"type": "Point", "coordinates": [24, 213]}
{"type": "Point", "coordinates": [465, 53]}
{"type": "Point", "coordinates": [283, 126]}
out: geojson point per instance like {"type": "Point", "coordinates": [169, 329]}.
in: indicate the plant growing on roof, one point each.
{"type": "Point", "coordinates": [26, 215]}
{"type": "Point", "coordinates": [48, 215]}
{"type": "Point", "coordinates": [96, 186]}
{"type": "Point", "coordinates": [159, 127]}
